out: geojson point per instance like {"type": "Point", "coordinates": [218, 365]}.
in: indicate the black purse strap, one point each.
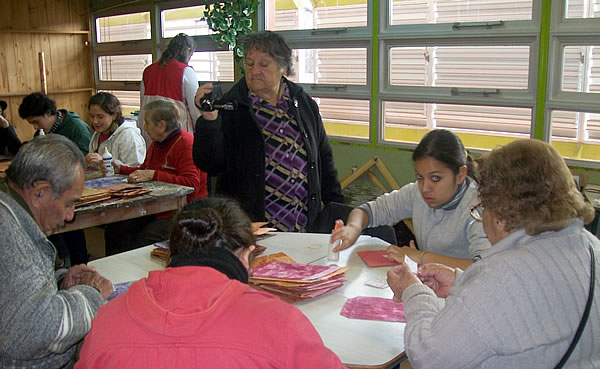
{"type": "Point", "coordinates": [586, 312]}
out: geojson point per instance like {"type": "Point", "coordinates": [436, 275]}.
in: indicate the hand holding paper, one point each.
{"type": "Point", "coordinates": [399, 278]}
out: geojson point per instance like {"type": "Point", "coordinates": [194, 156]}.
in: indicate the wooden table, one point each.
{"type": "Point", "coordinates": [358, 343]}
{"type": "Point", "coordinates": [164, 197]}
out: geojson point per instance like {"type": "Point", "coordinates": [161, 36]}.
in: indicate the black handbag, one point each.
{"type": "Point", "coordinates": [586, 313]}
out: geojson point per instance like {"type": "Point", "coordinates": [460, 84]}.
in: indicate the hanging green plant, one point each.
{"type": "Point", "coordinates": [231, 21]}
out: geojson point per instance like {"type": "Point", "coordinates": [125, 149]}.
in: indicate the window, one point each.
{"type": "Point", "coordinates": [123, 47]}
{"type": "Point", "coordinates": [581, 69]}
{"type": "Point", "coordinates": [447, 11]}
{"type": "Point", "coordinates": [583, 8]}
{"type": "Point", "coordinates": [502, 121]}
{"type": "Point", "coordinates": [130, 100]}
{"type": "Point", "coordinates": [468, 66]}
{"type": "Point", "coordinates": [213, 65]}
{"type": "Point", "coordinates": [348, 118]}
{"type": "Point", "coordinates": [572, 109]}
{"type": "Point", "coordinates": [123, 27]}
{"type": "Point", "coordinates": [460, 66]}
{"type": "Point", "coordinates": [123, 67]}
{"type": "Point", "coordinates": [184, 20]}
{"type": "Point", "coordinates": [330, 66]}
{"type": "Point", "coordinates": [307, 14]}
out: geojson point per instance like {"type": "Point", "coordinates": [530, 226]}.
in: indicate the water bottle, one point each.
{"type": "Point", "coordinates": [107, 161]}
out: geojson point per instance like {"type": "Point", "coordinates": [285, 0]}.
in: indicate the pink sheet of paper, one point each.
{"type": "Point", "coordinates": [373, 308]}
{"type": "Point", "coordinates": [376, 258]}
{"type": "Point", "coordinates": [293, 271]}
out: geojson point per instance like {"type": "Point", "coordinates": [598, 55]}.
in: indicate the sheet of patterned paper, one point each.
{"type": "Point", "coordinates": [293, 271]}
{"type": "Point", "coordinates": [120, 288]}
{"type": "Point", "coordinates": [105, 181]}
{"type": "Point", "coordinates": [373, 308]}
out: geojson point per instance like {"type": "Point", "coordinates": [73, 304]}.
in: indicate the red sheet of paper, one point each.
{"type": "Point", "coordinates": [373, 308]}
{"type": "Point", "coordinates": [376, 258]}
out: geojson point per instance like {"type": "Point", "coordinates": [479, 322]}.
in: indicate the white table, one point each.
{"type": "Point", "coordinates": [358, 343]}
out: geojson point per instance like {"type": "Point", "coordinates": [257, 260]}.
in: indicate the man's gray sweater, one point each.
{"type": "Point", "coordinates": [40, 325]}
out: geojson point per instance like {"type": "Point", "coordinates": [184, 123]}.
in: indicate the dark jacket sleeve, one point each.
{"type": "Point", "coordinates": [209, 145]}
{"type": "Point", "coordinates": [331, 190]}
{"type": "Point", "coordinates": [9, 140]}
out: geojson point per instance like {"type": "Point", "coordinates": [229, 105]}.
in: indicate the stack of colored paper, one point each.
{"type": "Point", "coordinates": [295, 282]}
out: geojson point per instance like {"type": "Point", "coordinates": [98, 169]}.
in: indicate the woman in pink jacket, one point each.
{"type": "Point", "coordinates": [199, 312]}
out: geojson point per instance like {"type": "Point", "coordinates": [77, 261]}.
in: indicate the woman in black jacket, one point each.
{"type": "Point", "coordinates": [271, 152]}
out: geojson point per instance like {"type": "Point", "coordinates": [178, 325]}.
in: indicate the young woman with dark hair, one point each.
{"type": "Point", "coordinates": [121, 137]}
{"type": "Point", "coordinates": [438, 203]}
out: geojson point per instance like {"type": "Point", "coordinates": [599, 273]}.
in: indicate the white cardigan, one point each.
{"type": "Point", "coordinates": [126, 145]}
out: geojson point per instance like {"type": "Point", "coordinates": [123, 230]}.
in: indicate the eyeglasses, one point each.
{"type": "Point", "coordinates": [477, 212]}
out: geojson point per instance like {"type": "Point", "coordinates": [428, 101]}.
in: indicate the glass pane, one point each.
{"type": "Point", "coordinates": [123, 27]}
{"type": "Point", "coordinates": [347, 118]}
{"type": "Point", "coordinates": [460, 66]}
{"type": "Point", "coordinates": [401, 119]}
{"type": "Point", "coordinates": [582, 8]}
{"type": "Point", "coordinates": [449, 11]}
{"type": "Point", "coordinates": [576, 134]}
{"type": "Point", "coordinates": [184, 20]}
{"type": "Point", "coordinates": [331, 66]}
{"type": "Point", "coordinates": [305, 14]}
{"type": "Point", "coordinates": [123, 67]}
{"type": "Point", "coordinates": [578, 126]}
{"type": "Point", "coordinates": [581, 69]}
{"type": "Point", "coordinates": [130, 100]}
{"type": "Point", "coordinates": [213, 65]}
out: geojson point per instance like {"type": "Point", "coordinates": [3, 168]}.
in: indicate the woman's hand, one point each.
{"type": "Point", "coordinates": [141, 175]}
{"type": "Point", "coordinates": [205, 89]}
{"type": "Point", "coordinates": [117, 167]}
{"type": "Point", "coordinates": [94, 159]}
{"type": "Point", "coordinates": [399, 278]}
{"type": "Point", "coordinates": [397, 253]}
{"type": "Point", "coordinates": [440, 278]}
{"type": "Point", "coordinates": [347, 234]}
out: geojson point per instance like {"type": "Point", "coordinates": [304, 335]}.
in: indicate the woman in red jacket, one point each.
{"type": "Point", "coordinates": [199, 312]}
{"type": "Point", "coordinates": [168, 159]}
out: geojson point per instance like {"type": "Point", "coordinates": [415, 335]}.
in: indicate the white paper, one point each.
{"type": "Point", "coordinates": [377, 283]}
{"type": "Point", "coordinates": [412, 266]}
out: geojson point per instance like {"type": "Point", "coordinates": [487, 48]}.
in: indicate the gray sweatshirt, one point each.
{"type": "Point", "coordinates": [517, 307]}
{"type": "Point", "coordinates": [450, 232]}
{"type": "Point", "coordinates": [39, 324]}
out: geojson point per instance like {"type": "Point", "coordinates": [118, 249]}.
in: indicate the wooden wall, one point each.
{"type": "Point", "coordinates": [60, 29]}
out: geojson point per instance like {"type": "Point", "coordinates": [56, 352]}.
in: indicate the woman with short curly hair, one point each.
{"type": "Point", "coordinates": [540, 196]}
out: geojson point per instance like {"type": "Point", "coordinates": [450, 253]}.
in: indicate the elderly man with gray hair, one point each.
{"type": "Point", "coordinates": [45, 313]}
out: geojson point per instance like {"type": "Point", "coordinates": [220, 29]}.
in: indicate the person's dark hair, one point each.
{"type": "Point", "coordinates": [177, 49]}
{"type": "Point", "coordinates": [109, 103]}
{"type": "Point", "coordinates": [36, 104]}
{"type": "Point", "coordinates": [210, 222]}
{"type": "Point", "coordinates": [527, 184]}
{"type": "Point", "coordinates": [163, 110]}
{"type": "Point", "coordinates": [271, 43]}
{"type": "Point", "coordinates": [52, 158]}
{"type": "Point", "coordinates": [447, 148]}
